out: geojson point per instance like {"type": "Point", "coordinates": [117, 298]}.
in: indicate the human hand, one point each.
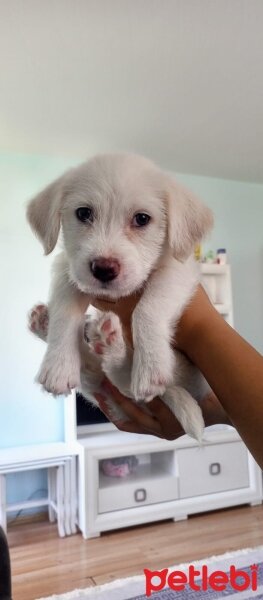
{"type": "Point", "coordinates": [161, 422]}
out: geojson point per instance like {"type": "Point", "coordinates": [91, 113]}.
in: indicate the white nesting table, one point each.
{"type": "Point", "coordinates": [60, 461]}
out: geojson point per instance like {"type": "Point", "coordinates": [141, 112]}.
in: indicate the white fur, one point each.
{"type": "Point", "coordinates": [104, 352]}
{"type": "Point", "coordinates": [156, 257]}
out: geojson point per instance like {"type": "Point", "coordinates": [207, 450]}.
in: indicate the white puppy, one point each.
{"type": "Point", "coordinates": [126, 226]}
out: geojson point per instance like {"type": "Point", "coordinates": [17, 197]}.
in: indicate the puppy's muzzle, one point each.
{"type": "Point", "coordinates": [105, 269]}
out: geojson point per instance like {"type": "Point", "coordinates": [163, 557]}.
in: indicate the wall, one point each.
{"type": "Point", "coordinates": [27, 415]}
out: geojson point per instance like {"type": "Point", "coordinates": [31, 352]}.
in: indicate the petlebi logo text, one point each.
{"type": "Point", "coordinates": [201, 579]}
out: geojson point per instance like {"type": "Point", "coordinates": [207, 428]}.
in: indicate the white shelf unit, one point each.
{"type": "Point", "coordinates": [216, 280]}
{"type": "Point", "coordinates": [172, 480]}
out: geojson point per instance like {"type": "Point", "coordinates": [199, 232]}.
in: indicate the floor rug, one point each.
{"type": "Point", "coordinates": [237, 587]}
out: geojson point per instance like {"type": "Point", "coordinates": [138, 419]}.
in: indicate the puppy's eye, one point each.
{"type": "Point", "coordinates": [141, 219]}
{"type": "Point", "coordinates": [84, 214]}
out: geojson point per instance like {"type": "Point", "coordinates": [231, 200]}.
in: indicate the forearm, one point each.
{"type": "Point", "coordinates": [213, 411]}
{"type": "Point", "coordinates": [233, 369]}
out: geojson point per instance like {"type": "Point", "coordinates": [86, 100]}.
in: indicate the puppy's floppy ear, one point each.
{"type": "Point", "coordinates": [189, 220]}
{"type": "Point", "coordinates": [43, 214]}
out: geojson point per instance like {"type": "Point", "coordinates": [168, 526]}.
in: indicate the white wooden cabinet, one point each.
{"type": "Point", "coordinates": [172, 479]}
{"type": "Point", "coordinates": [219, 467]}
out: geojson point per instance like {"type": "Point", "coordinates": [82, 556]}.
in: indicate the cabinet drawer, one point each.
{"type": "Point", "coordinates": [131, 494]}
{"type": "Point", "coordinates": [213, 468]}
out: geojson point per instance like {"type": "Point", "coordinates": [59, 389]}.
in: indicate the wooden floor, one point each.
{"type": "Point", "coordinates": [43, 564]}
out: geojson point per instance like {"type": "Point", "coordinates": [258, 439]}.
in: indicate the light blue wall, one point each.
{"type": "Point", "coordinates": [29, 416]}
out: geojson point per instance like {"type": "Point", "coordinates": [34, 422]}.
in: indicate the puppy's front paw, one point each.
{"type": "Point", "coordinates": [38, 319]}
{"type": "Point", "coordinates": [150, 374]}
{"type": "Point", "coordinates": [105, 334]}
{"type": "Point", "coordinates": [59, 374]}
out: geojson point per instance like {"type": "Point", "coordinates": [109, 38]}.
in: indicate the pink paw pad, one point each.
{"type": "Point", "coordinates": [98, 348]}
{"type": "Point", "coordinates": [38, 318]}
{"type": "Point", "coordinates": [109, 332]}
{"type": "Point", "coordinates": [103, 333]}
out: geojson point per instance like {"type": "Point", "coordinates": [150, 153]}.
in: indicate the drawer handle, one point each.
{"type": "Point", "coordinates": [140, 495]}
{"type": "Point", "coordinates": [215, 468]}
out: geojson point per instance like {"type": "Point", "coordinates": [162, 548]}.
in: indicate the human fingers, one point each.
{"type": "Point", "coordinates": [124, 425]}
{"type": "Point", "coordinates": [133, 411]}
{"type": "Point", "coordinates": [170, 426]}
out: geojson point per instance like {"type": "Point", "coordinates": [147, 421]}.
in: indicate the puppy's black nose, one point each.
{"type": "Point", "coordinates": [105, 269]}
